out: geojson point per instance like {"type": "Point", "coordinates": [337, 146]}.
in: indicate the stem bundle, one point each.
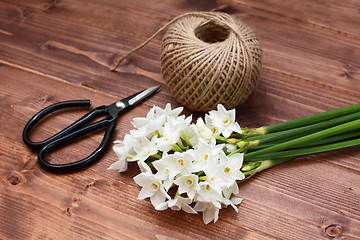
{"type": "Point", "coordinates": [331, 130]}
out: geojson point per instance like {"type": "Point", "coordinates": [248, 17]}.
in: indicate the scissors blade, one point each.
{"type": "Point", "coordinates": [138, 97]}
{"type": "Point", "coordinates": [126, 103]}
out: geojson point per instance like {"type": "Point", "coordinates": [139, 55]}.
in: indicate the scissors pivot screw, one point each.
{"type": "Point", "coordinates": [120, 104]}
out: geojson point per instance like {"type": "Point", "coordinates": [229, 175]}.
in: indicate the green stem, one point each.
{"type": "Point", "coordinates": [265, 164]}
{"type": "Point", "coordinates": [304, 151]}
{"type": "Point", "coordinates": [239, 150]}
{"type": "Point", "coordinates": [130, 156]}
{"type": "Point", "coordinates": [332, 139]}
{"type": "Point", "coordinates": [177, 194]}
{"type": "Point", "coordinates": [311, 137]}
{"type": "Point", "coordinates": [186, 138]}
{"type": "Point", "coordinates": [156, 156]}
{"type": "Point", "coordinates": [316, 118]}
{"type": "Point", "coordinates": [304, 130]}
{"type": "Point", "coordinates": [177, 148]}
{"type": "Point", "coordinates": [181, 145]}
{"type": "Point", "coordinates": [220, 138]}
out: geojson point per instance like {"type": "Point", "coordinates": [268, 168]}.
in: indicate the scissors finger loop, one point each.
{"type": "Point", "coordinates": [75, 166]}
{"type": "Point", "coordinates": [37, 117]}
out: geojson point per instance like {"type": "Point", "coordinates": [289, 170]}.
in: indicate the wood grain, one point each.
{"type": "Point", "coordinates": [52, 51]}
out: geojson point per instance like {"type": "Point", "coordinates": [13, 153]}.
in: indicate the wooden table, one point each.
{"type": "Point", "coordinates": [57, 50]}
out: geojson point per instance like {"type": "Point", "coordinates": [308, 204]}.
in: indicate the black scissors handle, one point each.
{"type": "Point", "coordinates": [75, 166]}
{"type": "Point", "coordinates": [69, 133]}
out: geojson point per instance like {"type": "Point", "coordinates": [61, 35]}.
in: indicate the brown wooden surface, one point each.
{"type": "Point", "coordinates": [53, 51]}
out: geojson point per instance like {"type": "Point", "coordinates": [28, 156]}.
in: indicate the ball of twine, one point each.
{"type": "Point", "coordinates": [208, 58]}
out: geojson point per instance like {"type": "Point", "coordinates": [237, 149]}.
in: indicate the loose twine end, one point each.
{"type": "Point", "coordinates": [118, 62]}
{"type": "Point", "coordinates": [121, 59]}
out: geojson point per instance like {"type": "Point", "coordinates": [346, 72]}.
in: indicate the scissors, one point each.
{"type": "Point", "coordinates": [76, 130]}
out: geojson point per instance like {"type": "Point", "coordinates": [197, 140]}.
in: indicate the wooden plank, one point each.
{"type": "Point", "coordinates": [333, 16]}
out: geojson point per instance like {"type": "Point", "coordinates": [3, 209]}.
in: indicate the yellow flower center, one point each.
{"type": "Point", "coordinates": [155, 186]}
{"type": "Point", "coordinates": [207, 187]}
{"type": "Point", "coordinates": [181, 162]}
{"type": "Point", "coordinates": [213, 130]}
{"type": "Point", "coordinates": [227, 170]}
{"type": "Point", "coordinates": [189, 182]}
{"type": "Point", "coordinates": [206, 157]}
{"type": "Point", "coordinates": [226, 121]}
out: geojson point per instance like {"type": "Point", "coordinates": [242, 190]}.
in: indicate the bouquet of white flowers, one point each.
{"type": "Point", "coordinates": [204, 161]}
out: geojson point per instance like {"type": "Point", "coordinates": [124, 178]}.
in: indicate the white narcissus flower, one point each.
{"type": "Point", "coordinates": [143, 121]}
{"type": "Point", "coordinates": [214, 176]}
{"type": "Point", "coordinates": [171, 132]}
{"type": "Point", "coordinates": [230, 147]}
{"type": "Point", "coordinates": [122, 164]}
{"type": "Point", "coordinates": [188, 184]}
{"type": "Point", "coordinates": [174, 164]}
{"type": "Point", "coordinates": [170, 135]}
{"type": "Point", "coordinates": [151, 187]}
{"type": "Point", "coordinates": [209, 194]}
{"type": "Point", "coordinates": [224, 121]}
{"type": "Point", "coordinates": [177, 204]}
{"type": "Point", "coordinates": [232, 189]}
{"type": "Point", "coordinates": [209, 124]}
{"type": "Point", "coordinates": [181, 203]}
{"type": "Point", "coordinates": [151, 127]}
{"type": "Point", "coordinates": [139, 133]}
{"type": "Point", "coordinates": [230, 167]}
{"type": "Point", "coordinates": [232, 202]}
{"type": "Point", "coordinates": [151, 123]}
{"type": "Point", "coordinates": [144, 167]}
{"type": "Point", "coordinates": [122, 149]}
{"type": "Point", "coordinates": [209, 210]}
{"type": "Point", "coordinates": [202, 131]}
{"type": "Point", "coordinates": [205, 153]}
{"type": "Point", "coordinates": [144, 149]}
{"type": "Point", "coordinates": [167, 111]}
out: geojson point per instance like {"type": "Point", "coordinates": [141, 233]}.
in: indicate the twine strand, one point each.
{"type": "Point", "coordinates": [121, 59]}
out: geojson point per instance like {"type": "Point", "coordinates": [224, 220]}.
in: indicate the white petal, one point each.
{"type": "Point", "coordinates": [162, 206]}
{"type": "Point", "coordinates": [235, 127]}
{"type": "Point", "coordinates": [191, 194]}
{"type": "Point", "coordinates": [188, 209]}
{"type": "Point", "coordinates": [168, 183]}
{"type": "Point", "coordinates": [209, 214]}
{"type": "Point", "coordinates": [200, 207]}
{"type": "Point", "coordinates": [139, 122]}
{"type": "Point", "coordinates": [221, 108]}
{"type": "Point", "coordinates": [216, 204]}
{"type": "Point", "coordinates": [145, 193]}
{"type": "Point", "coordinates": [236, 200]}
{"type": "Point", "coordinates": [226, 132]}
{"type": "Point", "coordinates": [234, 188]}
{"type": "Point", "coordinates": [216, 215]}
{"type": "Point", "coordinates": [142, 179]}
{"type": "Point", "coordinates": [120, 151]}
{"type": "Point", "coordinates": [157, 199]}
{"type": "Point", "coordinates": [120, 165]}
{"type": "Point", "coordinates": [144, 168]}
